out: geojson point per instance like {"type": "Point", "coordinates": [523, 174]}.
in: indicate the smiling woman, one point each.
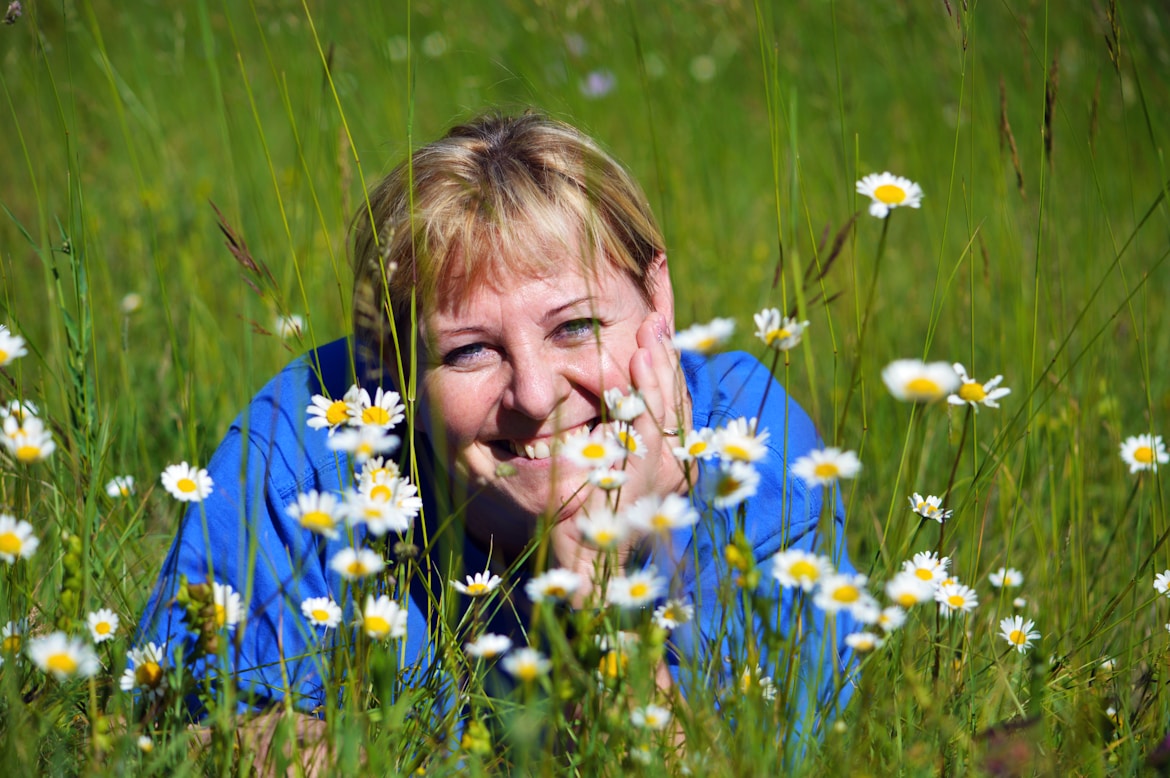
{"type": "Point", "coordinates": [514, 270]}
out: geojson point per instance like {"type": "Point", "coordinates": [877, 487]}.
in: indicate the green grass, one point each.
{"type": "Point", "coordinates": [122, 121]}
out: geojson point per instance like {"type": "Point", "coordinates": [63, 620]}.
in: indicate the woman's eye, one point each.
{"type": "Point", "coordinates": [465, 355]}
{"type": "Point", "coordinates": [580, 328]}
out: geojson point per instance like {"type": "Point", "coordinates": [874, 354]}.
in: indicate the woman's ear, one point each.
{"type": "Point", "coordinates": [661, 291]}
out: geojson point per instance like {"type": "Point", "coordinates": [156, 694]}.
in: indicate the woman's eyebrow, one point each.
{"type": "Point", "coordinates": [552, 313]}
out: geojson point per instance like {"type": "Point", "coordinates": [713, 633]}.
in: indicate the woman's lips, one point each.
{"type": "Point", "coordinates": [544, 447]}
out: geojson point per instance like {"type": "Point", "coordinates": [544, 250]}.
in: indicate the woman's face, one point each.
{"type": "Point", "coordinates": [515, 367]}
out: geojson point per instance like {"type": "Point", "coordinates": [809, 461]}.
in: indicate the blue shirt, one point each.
{"type": "Point", "coordinates": [242, 535]}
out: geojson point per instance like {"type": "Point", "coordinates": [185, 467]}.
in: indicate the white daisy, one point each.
{"type": "Point", "coordinates": [488, 646]}
{"type": "Point", "coordinates": [705, 338]}
{"type": "Point", "coordinates": [227, 606]}
{"type": "Point", "coordinates": [739, 441]}
{"type": "Point", "coordinates": [364, 442]}
{"type": "Point", "coordinates": [609, 479]}
{"type": "Point", "coordinates": [636, 589]}
{"type": "Point", "coordinates": [1006, 576]}
{"type": "Point", "coordinates": [324, 413]}
{"type": "Point", "coordinates": [12, 638]}
{"type": "Point", "coordinates": [927, 566]}
{"type": "Point", "coordinates": [145, 671]}
{"type": "Point", "coordinates": [145, 744]}
{"type": "Point", "coordinates": [736, 482]}
{"type": "Point", "coordinates": [891, 618]}
{"type": "Point", "coordinates": [929, 507]}
{"type": "Point", "coordinates": [378, 468]}
{"type": "Point", "coordinates": [120, 486]}
{"type": "Point", "coordinates": [399, 500]}
{"type": "Point", "coordinates": [290, 326]}
{"type": "Point", "coordinates": [954, 597]}
{"type": "Point", "coordinates": [841, 591]}
{"type": "Point", "coordinates": [661, 514]}
{"type": "Point", "coordinates": [916, 381]}
{"type": "Point", "coordinates": [794, 567]}
{"type": "Point", "coordinates": [103, 625]}
{"type": "Point", "coordinates": [754, 678]}
{"type": "Point", "coordinates": [11, 346]}
{"type": "Point", "coordinates": [654, 717]}
{"type": "Point", "coordinates": [695, 444]}
{"type": "Point", "coordinates": [555, 584]}
{"type": "Point", "coordinates": [1162, 582]}
{"type": "Point", "coordinates": [62, 656]}
{"type": "Point", "coordinates": [628, 439]}
{"type": "Point", "coordinates": [353, 564]}
{"type": "Point", "coordinates": [593, 451]}
{"type": "Point", "coordinates": [383, 411]}
{"type": "Point", "coordinates": [864, 642]}
{"type": "Point", "coordinates": [382, 618]}
{"type": "Point", "coordinates": [17, 540]}
{"type": "Point", "coordinates": [321, 611]}
{"type": "Point", "coordinates": [1144, 452]}
{"type": "Point", "coordinates": [973, 393]}
{"type": "Point", "coordinates": [826, 466]}
{"type": "Point", "coordinates": [1018, 633]}
{"type": "Point", "coordinates": [526, 664]}
{"type": "Point", "coordinates": [187, 483]}
{"type": "Point", "coordinates": [673, 613]}
{"type": "Point", "coordinates": [622, 406]}
{"type": "Point", "coordinates": [889, 191]}
{"type": "Point", "coordinates": [778, 332]}
{"type": "Point", "coordinates": [478, 585]}
{"type": "Point", "coordinates": [319, 513]}
{"type": "Point", "coordinates": [602, 527]}
{"type": "Point", "coordinates": [907, 589]}
{"type": "Point", "coordinates": [18, 409]}
{"type": "Point", "coordinates": [27, 440]}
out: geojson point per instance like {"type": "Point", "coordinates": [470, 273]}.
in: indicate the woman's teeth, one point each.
{"type": "Point", "coordinates": [542, 449]}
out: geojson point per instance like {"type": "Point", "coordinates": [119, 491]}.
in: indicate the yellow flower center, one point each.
{"type": "Point", "coordinates": [62, 663]}
{"type": "Point", "coordinates": [476, 588]}
{"type": "Point", "coordinates": [10, 644]}
{"type": "Point", "coordinates": [735, 451]}
{"type": "Point", "coordinates": [375, 415]}
{"type": "Point", "coordinates": [890, 194]}
{"type": "Point", "coordinates": [972, 392]}
{"type": "Point", "coordinates": [924, 573]}
{"type": "Point", "coordinates": [728, 485]}
{"type": "Point", "coordinates": [336, 413]}
{"type": "Point", "coordinates": [804, 569]}
{"type": "Point", "coordinates": [317, 521]}
{"type": "Point", "coordinates": [640, 589]}
{"type": "Point", "coordinates": [376, 626]}
{"type": "Point", "coordinates": [186, 485]}
{"type": "Point", "coordinates": [1017, 637]}
{"type": "Point", "coordinates": [826, 470]}
{"type": "Point", "coordinates": [364, 449]}
{"type": "Point", "coordinates": [526, 672]}
{"type": "Point", "coordinates": [220, 615]}
{"type": "Point", "coordinates": [3, 357]}
{"type": "Point", "coordinates": [956, 601]}
{"type": "Point", "coordinates": [320, 614]}
{"type": "Point", "coordinates": [847, 593]}
{"type": "Point", "coordinates": [613, 663]}
{"type": "Point", "coordinates": [28, 453]}
{"type": "Point", "coordinates": [660, 521]}
{"type": "Point", "coordinates": [923, 506]}
{"type": "Point", "coordinates": [775, 335]}
{"type": "Point", "coordinates": [124, 490]}
{"type": "Point", "coordinates": [593, 450]}
{"type": "Point", "coordinates": [907, 599]}
{"type": "Point", "coordinates": [381, 493]}
{"type": "Point", "coordinates": [555, 591]}
{"type": "Point", "coordinates": [705, 344]}
{"type": "Point", "coordinates": [102, 628]}
{"type": "Point", "coordinates": [923, 387]}
{"type": "Point", "coordinates": [627, 440]}
{"type": "Point", "coordinates": [696, 448]}
{"type": "Point", "coordinates": [356, 568]}
{"type": "Point", "coordinates": [147, 675]}
{"type": "Point", "coordinates": [603, 537]}
{"type": "Point", "coordinates": [10, 543]}
{"type": "Point", "coordinates": [1144, 454]}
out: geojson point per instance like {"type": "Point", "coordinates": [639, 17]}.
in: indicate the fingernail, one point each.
{"type": "Point", "coordinates": [660, 327]}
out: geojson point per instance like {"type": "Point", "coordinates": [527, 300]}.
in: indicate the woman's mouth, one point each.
{"type": "Point", "coordinates": [544, 447]}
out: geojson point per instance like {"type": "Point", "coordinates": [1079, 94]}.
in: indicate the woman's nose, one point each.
{"type": "Point", "coordinates": [537, 387]}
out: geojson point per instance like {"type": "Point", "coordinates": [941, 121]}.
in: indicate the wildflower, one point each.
{"type": "Point", "coordinates": [794, 567]}
{"type": "Point", "coordinates": [555, 584]}
{"type": "Point", "coordinates": [324, 413]}
{"type": "Point", "coordinates": [383, 618]}
{"type": "Point", "coordinates": [488, 646]}
{"type": "Point", "coordinates": [673, 613]}
{"type": "Point", "coordinates": [603, 528]}
{"type": "Point", "coordinates": [864, 642]}
{"type": "Point", "coordinates": [624, 407]}
{"type": "Point", "coordinates": [103, 625]}
{"type": "Point", "coordinates": [364, 442]}
{"type": "Point", "coordinates": [316, 512]}
{"type": "Point", "coordinates": [120, 486]}
{"type": "Point", "coordinates": [608, 478]}
{"type": "Point", "coordinates": [63, 656]}
{"type": "Point", "coordinates": [696, 444]}
{"type": "Point", "coordinates": [321, 611]}
{"type": "Point", "coordinates": [703, 68]}
{"type": "Point", "coordinates": [11, 346]}
{"type": "Point", "coordinates": [598, 83]}
{"type": "Point", "coordinates": [526, 664]}
{"type": "Point", "coordinates": [227, 606]}
{"type": "Point", "coordinates": [144, 671]}
{"type": "Point", "coordinates": [929, 507]}
{"type": "Point", "coordinates": [1162, 582]}
{"type": "Point", "coordinates": [145, 744]}
{"type": "Point", "coordinates": [661, 514]}
{"type": "Point", "coordinates": [12, 638]}
{"type": "Point", "coordinates": [842, 591]}
{"type": "Point", "coordinates": [1144, 452]}
{"type": "Point", "coordinates": [973, 393]}
{"type": "Point", "coordinates": [778, 332]}
{"type": "Point", "coordinates": [738, 441]}
{"type": "Point", "coordinates": [653, 717]}
{"type": "Point", "coordinates": [17, 540]}
{"type": "Point", "coordinates": [1018, 632]}
{"type": "Point", "coordinates": [891, 618]}
{"type": "Point", "coordinates": [384, 503]}
{"type": "Point", "coordinates": [187, 483]}
{"type": "Point", "coordinates": [754, 678]}
{"type": "Point", "coordinates": [377, 468]}
{"type": "Point", "coordinates": [383, 411]}
{"type": "Point", "coordinates": [478, 585]}
{"type": "Point", "coordinates": [593, 451]}
{"type": "Point", "coordinates": [954, 596]}
{"type": "Point", "coordinates": [18, 409]}
{"type": "Point", "coordinates": [927, 566]}
{"type": "Point", "coordinates": [908, 589]}
{"type": "Point", "coordinates": [636, 589]}
{"type": "Point", "coordinates": [889, 191]}
{"type": "Point", "coordinates": [737, 481]}
{"type": "Point", "coordinates": [916, 381]}
{"type": "Point", "coordinates": [1007, 576]}
{"type": "Point", "coordinates": [629, 440]}
{"type": "Point", "coordinates": [130, 303]}
{"type": "Point", "coordinates": [290, 326]}
{"type": "Point", "coordinates": [704, 338]}
{"type": "Point", "coordinates": [27, 440]}
{"type": "Point", "coordinates": [1019, 602]}
{"type": "Point", "coordinates": [825, 466]}
{"type": "Point", "coordinates": [353, 564]}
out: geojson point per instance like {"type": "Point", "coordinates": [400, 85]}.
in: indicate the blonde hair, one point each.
{"type": "Point", "coordinates": [496, 196]}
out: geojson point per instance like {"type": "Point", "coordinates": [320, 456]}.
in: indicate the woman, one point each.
{"type": "Point", "coordinates": [513, 273]}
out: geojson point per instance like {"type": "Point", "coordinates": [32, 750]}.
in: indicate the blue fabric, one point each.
{"type": "Point", "coordinates": [241, 535]}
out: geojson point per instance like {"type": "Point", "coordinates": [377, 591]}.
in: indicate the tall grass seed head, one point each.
{"type": "Point", "coordinates": [913, 380]}
{"type": "Point", "coordinates": [63, 657]}
{"type": "Point", "coordinates": [27, 440]}
{"type": "Point", "coordinates": [974, 394]}
{"type": "Point", "coordinates": [321, 612]}
{"type": "Point", "coordinates": [705, 338]}
{"type": "Point", "coordinates": [12, 347]}
{"type": "Point", "coordinates": [478, 585]}
{"type": "Point", "coordinates": [103, 625]}
{"type": "Point", "coordinates": [1018, 633]}
{"type": "Point", "coordinates": [382, 618]}
{"type": "Point", "coordinates": [1144, 452]}
{"type": "Point", "coordinates": [187, 483]}
{"type": "Point", "coordinates": [318, 512]}
{"type": "Point", "coordinates": [929, 507]}
{"type": "Point", "coordinates": [778, 332]}
{"type": "Point", "coordinates": [145, 671]}
{"type": "Point", "coordinates": [353, 564]}
{"type": "Point", "coordinates": [795, 567]}
{"type": "Point", "coordinates": [826, 466]}
{"type": "Point", "coordinates": [661, 514]}
{"type": "Point", "coordinates": [17, 540]}
{"type": "Point", "coordinates": [888, 191]}
{"type": "Point", "coordinates": [1006, 576]}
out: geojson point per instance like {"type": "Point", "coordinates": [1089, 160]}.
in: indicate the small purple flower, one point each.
{"type": "Point", "coordinates": [598, 83]}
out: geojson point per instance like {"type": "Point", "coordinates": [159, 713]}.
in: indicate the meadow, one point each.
{"type": "Point", "coordinates": [140, 137]}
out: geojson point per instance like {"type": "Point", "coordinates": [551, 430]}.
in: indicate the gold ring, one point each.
{"type": "Point", "coordinates": [671, 433]}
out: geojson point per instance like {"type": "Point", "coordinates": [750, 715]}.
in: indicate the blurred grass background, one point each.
{"type": "Point", "coordinates": [748, 126]}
